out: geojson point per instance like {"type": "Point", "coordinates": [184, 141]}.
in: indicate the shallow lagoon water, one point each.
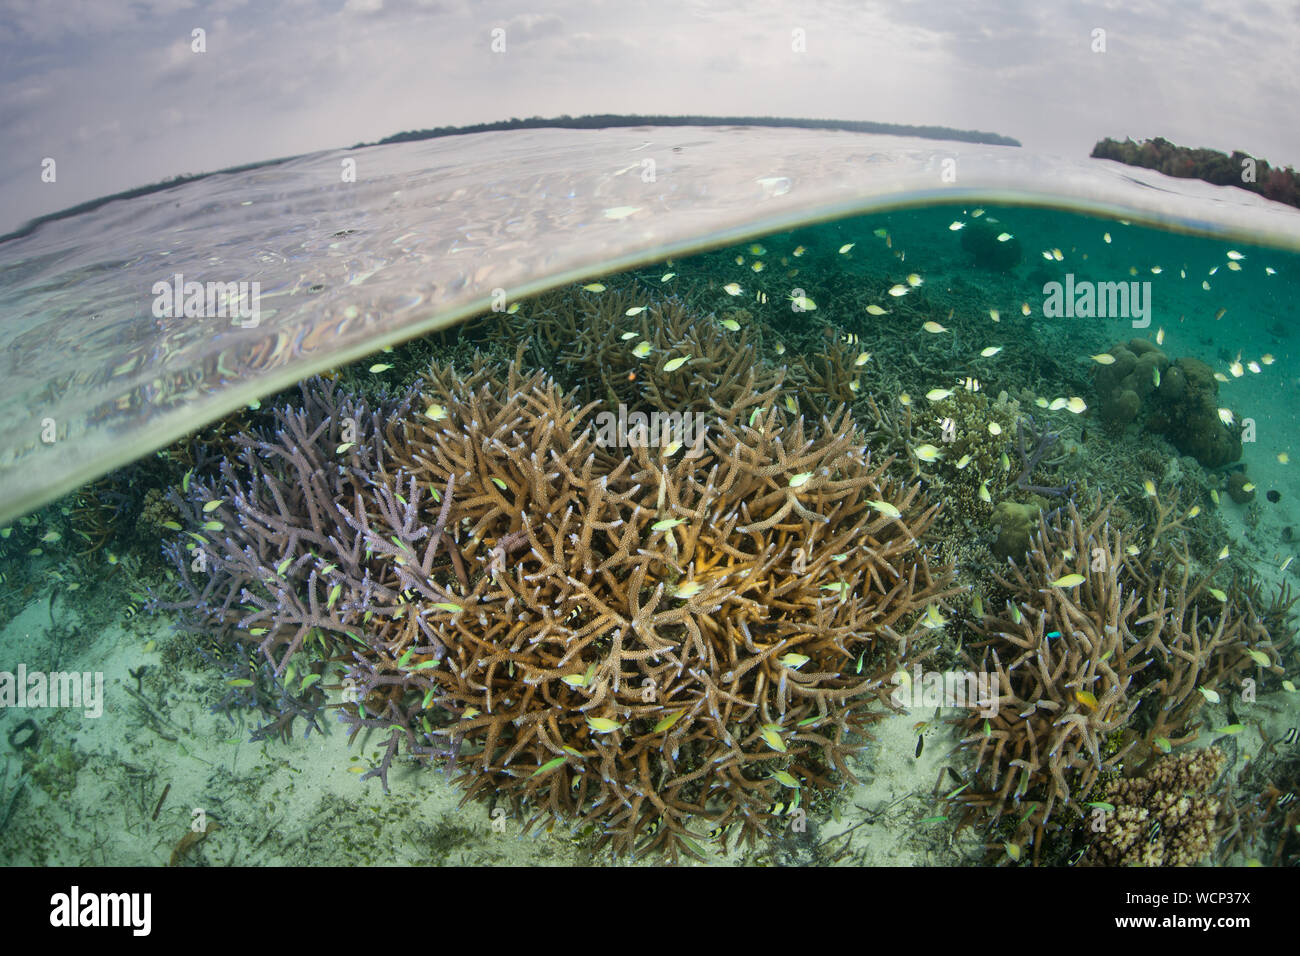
{"type": "Point", "coordinates": [86, 789]}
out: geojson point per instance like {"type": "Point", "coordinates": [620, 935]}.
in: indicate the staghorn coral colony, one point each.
{"type": "Point", "coordinates": [646, 562]}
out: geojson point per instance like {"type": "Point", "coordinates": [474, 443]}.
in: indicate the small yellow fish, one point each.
{"type": "Point", "coordinates": [757, 250]}
{"type": "Point", "coordinates": [995, 429]}
{"type": "Point", "coordinates": [885, 508]}
{"type": "Point", "coordinates": [904, 398]}
{"type": "Point", "coordinates": [880, 233]}
{"type": "Point", "coordinates": [1226, 416]}
{"type": "Point", "coordinates": [594, 287]}
{"type": "Point", "coordinates": [628, 336]}
{"type": "Point", "coordinates": [862, 359]}
{"type": "Point", "coordinates": [1267, 359]}
{"type": "Point", "coordinates": [1056, 254]}
{"type": "Point", "coordinates": [799, 480]}
{"type": "Point", "coordinates": [1105, 237]}
{"type": "Point", "coordinates": [1156, 270]}
{"type": "Point", "coordinates": [798, 251]}
{"type": "Point", "coordinates": [1236, 369]}
{"type": "Point", "coordinates": [1234, 266]}
{"type": "Point", "coordinates": [756, 266]}
{"type": "Point", "coordinates": [1057, 404]}
{"type": "Point", "coordinates": [636, 310]}
{"type": "Point", "coordinates": [803, 303]}
{"type": "Point", "coordinates": [731, 325]}
{"type": "Point", "coordinates": [962, 462]}
{"type": "Point", "coordinates": [666, 276]}
{"type": "Point", "coordinates": [932, 619]}
{"type": "Point", "coordinates": [1254, 367]}
{"type": "Point", "coordinates": [1283, 458]}
{"type": "Point", "coordinates": [994, 315]}
{"type": "Point", "coordinates": [1205, 285]}
{"type": "Point", "coordinates": [938, 394]}
{"type": "Point", "coordinates": [1214, 496]}
{"type": "Point", "coordinates": [1210, 695]}
{"type": "Point", "coordinates": [914, 280]}
{"type": "Point", "coordinates": [1234, 255]}
{"type": "Point", "coordinates": [791, 405]}
{"type": "Point", "coordinates": [1160, 336]}
{"type": "Point", "coordinates": [772, 737]}
{"type": "Point", "coordinates": [954, 226]}
{"type": "Point", "coordinates": [1220, 377]}
{"type": "Point", "coordinates": [1025, 309]}
{"type": "Point", "coordinates": [1155, 376]}
{"type": "Point", "coordinates": [740, 260]}
{"type": "Point", "coordinates": [984, 492]}
{"type": "Point", "coordinates": [687, 590]}
{"type": "Point", "coordinates": [1269, 270]}
{"type": "Point", "coordinates": [991, 351]}
{"type": "Point", "coordinates": [780, 348]}
{"type": "Point", "coordinates": [676, 363]}
{"type": "Point", "coordinates": [976, 213]}
{"type": "Point", "coordinates": [603, 725]}
{"type": "Point", "coordinates": [1223, 555]}
{"type": "Point", "coordinates": [785, 779]}
{"type": "Point", "coordinates": [1004, 236]}
{"type": "Point", "coordinates": [379, 367]}
{"type": "Point", "coordinates": [877, 310]}
{"type": "Point", "coordinates": [1087, 698]}
{"type": "Point", "coordinates": [1193, 511]}
{"type": "Point", "coordinates": [899, 290]}
{"type": "Point", "coordinates": [1220, 314]}
{"type": "Point", "coordinates": [1149, 487]}
{"type": "Point", "coordinates": [1076, 405]}
{"type": "Point", "coordinates": [793, 661]}
{"type": "Point", "coordinates": [1069, 581]}
{"type": "Point", "coordinates": [1103, 358]}
{"type": "Point", "coordinates": [514, 307]}
{"type": "Point", "coordinates": [642, 350]}
{"type": "Point", "coordinates": [732, 288]}
{"type": "Point", "coordinates": [846, 247]}
{"type": "Point", "coordinates": [933, 327]}
{"type": "Point", "coordinates": [927, 453]}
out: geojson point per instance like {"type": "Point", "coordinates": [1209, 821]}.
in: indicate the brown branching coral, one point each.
{"type": "Point", "coordinates": [1094, 640]}
{"type": "Point", "coordinates": [651, 639]}
{"type": "Point", "coordinates": [634, 640]}
{"type": "Point", "coordinates": [1165, 817]}
{"type": "Point", "coordinates": [588, 342]}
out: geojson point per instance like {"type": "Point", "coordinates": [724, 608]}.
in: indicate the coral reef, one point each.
{"type": "Point", "coordinates": [633, 640]}
{"type": "Point", "coordinates": [1176, 399]}
{"type": "Point", "coordinates": [1164, 817]}
{"type": "Point", "coordinates": [1099, 651]}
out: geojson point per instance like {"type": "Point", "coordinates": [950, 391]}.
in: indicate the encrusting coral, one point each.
{"type": "Point", "coordinates": [1164, 817]}
{"type": "Point", "coordinates": [634, 640]}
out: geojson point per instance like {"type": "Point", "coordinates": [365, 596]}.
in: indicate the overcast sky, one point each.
{"type": "Point", "coordinates": [113, 92]}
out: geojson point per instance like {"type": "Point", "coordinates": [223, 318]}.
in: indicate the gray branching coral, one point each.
{"type": "Point", "coordinates": [634, 640]}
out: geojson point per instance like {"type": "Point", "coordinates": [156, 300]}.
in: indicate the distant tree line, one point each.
{"type": "Point", "coordinates": [609, 120]}
{"type": "Point", "coordinates": [1212, 166]}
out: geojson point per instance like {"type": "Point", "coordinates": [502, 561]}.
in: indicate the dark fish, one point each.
{"type": "Point", "coordinates": [1291, 735]}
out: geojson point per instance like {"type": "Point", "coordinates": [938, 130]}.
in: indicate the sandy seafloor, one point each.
{"type": "Point", "coordinates": [297, 803]}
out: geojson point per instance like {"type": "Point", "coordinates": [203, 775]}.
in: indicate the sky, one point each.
{"type": "Point", "coordinates": [115, 93]}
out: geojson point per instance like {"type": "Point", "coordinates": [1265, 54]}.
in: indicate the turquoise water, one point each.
{"type": "Point", "coordinates": [857, 374]}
